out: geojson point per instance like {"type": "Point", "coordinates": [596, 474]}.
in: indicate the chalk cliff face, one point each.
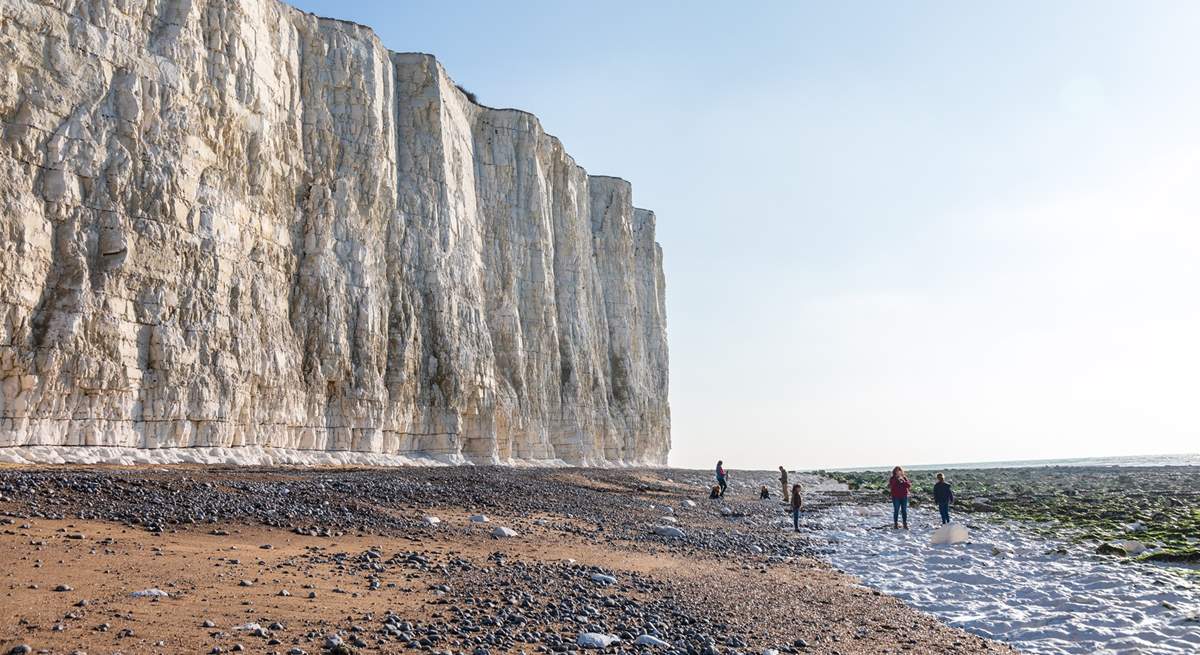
{"type": "Point", "coordinates": [230, 223]}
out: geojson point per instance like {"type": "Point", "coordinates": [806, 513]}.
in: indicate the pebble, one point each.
{"type": "Point", "coordinates": [150, 593]}
{"type": "Point", "coordinates": [595, 640]}
{"type": "Point", "coordinates": [603, 579]}
{"type": "Point", "coordinates": [669, 531]}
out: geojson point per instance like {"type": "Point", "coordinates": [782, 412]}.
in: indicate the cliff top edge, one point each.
{"type": "Point", "coordinates": [458, 88]}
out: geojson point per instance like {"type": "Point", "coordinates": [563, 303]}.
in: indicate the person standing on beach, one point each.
{"type": "Point", "coordinates": [721, 477]}
{"type": "Point", "coordinates": [943, 496]}
{"type": "Point", "coordinates": [783, 483]}
{"type": "Point", "coordinates": [796, 507]}
{"type": "Point", "coordinates": [899, 486]}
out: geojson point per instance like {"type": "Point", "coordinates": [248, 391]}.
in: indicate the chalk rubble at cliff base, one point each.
{"type": "Point", "coordinates": [232, 225]}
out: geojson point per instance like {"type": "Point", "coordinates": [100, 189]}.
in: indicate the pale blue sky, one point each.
{"type": "Point", "coordinates": [894, 232]}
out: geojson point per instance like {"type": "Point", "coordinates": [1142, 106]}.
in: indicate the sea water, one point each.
{"type": "Point", "coordinates": [1131, 460]}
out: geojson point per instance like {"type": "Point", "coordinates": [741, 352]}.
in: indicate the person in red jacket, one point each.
{"type": "Point", "coordinates": [899, 486]}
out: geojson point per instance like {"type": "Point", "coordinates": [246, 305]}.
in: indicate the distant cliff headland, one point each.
{"type": "Point", "coordinates": [235, 225]}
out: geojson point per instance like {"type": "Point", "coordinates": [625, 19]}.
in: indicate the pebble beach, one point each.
{"type": "Point", "coordinates": [476, 560]}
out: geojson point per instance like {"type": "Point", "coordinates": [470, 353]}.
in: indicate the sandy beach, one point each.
{"type": "Point", "coordinates": [182, 559]}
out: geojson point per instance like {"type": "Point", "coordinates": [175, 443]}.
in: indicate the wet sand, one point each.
{"type": "Point", "coordinates": [325, 560]}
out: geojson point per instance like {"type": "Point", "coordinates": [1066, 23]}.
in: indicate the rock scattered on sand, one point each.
{"type": "Point", "coordinates": [652, 641]}
{"type": "Point", "coordinates": [951, 533]}
{"type": "Point", "coordinates": [1110, 549]}
{"type": "Point", "coordinates": [503, 533]}
{"type": "Point", "coordinates": [669, 531]}
{"type": "Point", "coordinates": [479, 518]}
{"type": "Point", "coordinates": [431, 521]}
{"type": "Point", "coordinates": [1132, 546]}
{"type": "Point", "coordinates": [150, 593]}
{"type": "Point", "coordinates": [603, 579]}
{"type": "Point", "coordinates": [595, 640]}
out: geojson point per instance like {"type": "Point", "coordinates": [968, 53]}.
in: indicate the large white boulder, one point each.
{"type": "Point", "coordinates": [951, 533]}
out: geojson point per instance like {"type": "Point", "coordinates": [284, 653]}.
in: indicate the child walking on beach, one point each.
{"type": "Point", "coordinates": [796, 507]}
{"type": "Point", "coordinates": [899, 486]}
{"type": "Point", "coordinates": [721, 476]}
{"type": "Point", "coordinates": [943, 496]}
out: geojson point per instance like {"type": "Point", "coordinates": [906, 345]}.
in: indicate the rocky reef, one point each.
{"type": "Point", "coordinates": [232, 223]}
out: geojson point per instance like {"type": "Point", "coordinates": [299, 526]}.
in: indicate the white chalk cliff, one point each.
{"type": "Point", "coordinates": [229, 223]}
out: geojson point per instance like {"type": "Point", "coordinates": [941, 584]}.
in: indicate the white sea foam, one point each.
{"type": "Point", "coordinates": [1013, 586]}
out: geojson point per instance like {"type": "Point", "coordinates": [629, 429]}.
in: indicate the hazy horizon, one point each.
{"type": "Point", "coordinates": [916, 233]}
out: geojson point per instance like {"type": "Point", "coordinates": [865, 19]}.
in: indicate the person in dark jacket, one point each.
{"type": "Point", "coordinates": [899, 486]}
{"type": "Point", "coordinates": [721, 476]}
{"type": "Point", "coordinates": [764, 493]}
{"type": "Point", "coordinates": [943, 496]}
{"type": "Point", "coordinates": [796, 507]}
{"type": "Point", "coordinates": [783, 483]}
